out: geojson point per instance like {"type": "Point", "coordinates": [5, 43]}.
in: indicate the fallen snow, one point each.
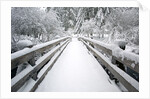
{"type": "Point", "coordinates": [132, 48]}
{"type": "Point", "coordinates": [24, 43]}
{"type": "Point", "coordinates": [76, 70]}
{"type": "Point", "coordinates": [116, 51]}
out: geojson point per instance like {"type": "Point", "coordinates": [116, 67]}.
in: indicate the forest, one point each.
{"type": "Point", "coordinates": [75, 49]}
{"type": "Point", "coordinates": [106, 24]}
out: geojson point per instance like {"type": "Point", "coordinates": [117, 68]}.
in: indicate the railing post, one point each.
{"type": "Point", "coordinates": [32, 60]}
{"type": "Point", "coordinates": [119, 64]}
{"type": "Point", "coordinates": [113, 60]}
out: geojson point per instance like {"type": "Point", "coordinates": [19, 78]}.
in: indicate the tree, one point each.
{"type": "Point", "coordinates": [118, 22]}
{"type": "Point", "coordinates": [89, 27]}
{"type": "Point", "coordinates": [36, 23]}
{"type": "Point", "coordinates": [26, 21]}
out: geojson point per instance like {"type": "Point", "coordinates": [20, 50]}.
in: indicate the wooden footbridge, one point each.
{"type": "Point", "coordinates": [42, 63]}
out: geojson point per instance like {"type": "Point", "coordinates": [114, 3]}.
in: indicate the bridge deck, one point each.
{"type": "Point", "coordinates": [76, 70]}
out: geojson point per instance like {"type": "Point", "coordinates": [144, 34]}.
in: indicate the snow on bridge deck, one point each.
{"type": "Point", "coordinates": [76, 70]}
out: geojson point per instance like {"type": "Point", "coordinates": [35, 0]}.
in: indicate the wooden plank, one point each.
{"type": "Point", "coordinates": [27, 56]}
{"type": "Point", "coordinates": [21, 82]}
{"type": "Point", "coordinates": [29, 74]}
{"type": "Point", "coordinates": [15, 62]}
{"type": "Point", "coordinates": [124, 78]}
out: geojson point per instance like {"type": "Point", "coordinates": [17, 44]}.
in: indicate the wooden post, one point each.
{"type": "Point", "coordinates": [113, 60]}
{"type": "Point", "coordinates": [119, 64]}
{"type": "Point", "coordinates": [32, 60]}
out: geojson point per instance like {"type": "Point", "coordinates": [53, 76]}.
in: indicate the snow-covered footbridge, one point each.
{"type": "Point", "coordinates": [74, 65]}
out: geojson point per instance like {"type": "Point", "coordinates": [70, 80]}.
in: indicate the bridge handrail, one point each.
{"type": "Point", "coordinates": [107, 49]}
{"type": "Point", "coordinates": [129, 83]}
{"type": "Point", "coordinates": [19, 80]}
{"type": "Point", "coordinates": [28, 53]}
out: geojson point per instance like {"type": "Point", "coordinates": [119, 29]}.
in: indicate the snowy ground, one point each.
{"type": "Point", "coordinates": [76, 70]}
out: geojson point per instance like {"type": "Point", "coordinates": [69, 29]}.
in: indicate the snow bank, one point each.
{"type": "Point", "coordinates": [24, 43]}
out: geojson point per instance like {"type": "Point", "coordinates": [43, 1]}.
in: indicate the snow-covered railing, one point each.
{"type": "Point", "coordinates": [32, 71]}
{"type": "Point", "coordinates": [129, 59]}
{"type": "Point", "coordinates": [29, 53]}
{"type": "Point", "coordinates": [129, 83]}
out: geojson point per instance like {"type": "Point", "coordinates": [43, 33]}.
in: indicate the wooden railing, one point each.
{"type": "Point", "coordinates": [109, 51]}
{"type": "Point", "coordinates": [56, 47]}
{"type": "Point", "coordinates": [100, 51]}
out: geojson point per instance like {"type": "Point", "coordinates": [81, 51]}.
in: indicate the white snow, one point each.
{"type": "Point", "coordinates": [76, 70]}
{"type": "Point", "coordinates": [24, 43]}
{"type": "Point", "coordinates": [132, 48]}
{"type": "Point", "coordinates": [116, 51]}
